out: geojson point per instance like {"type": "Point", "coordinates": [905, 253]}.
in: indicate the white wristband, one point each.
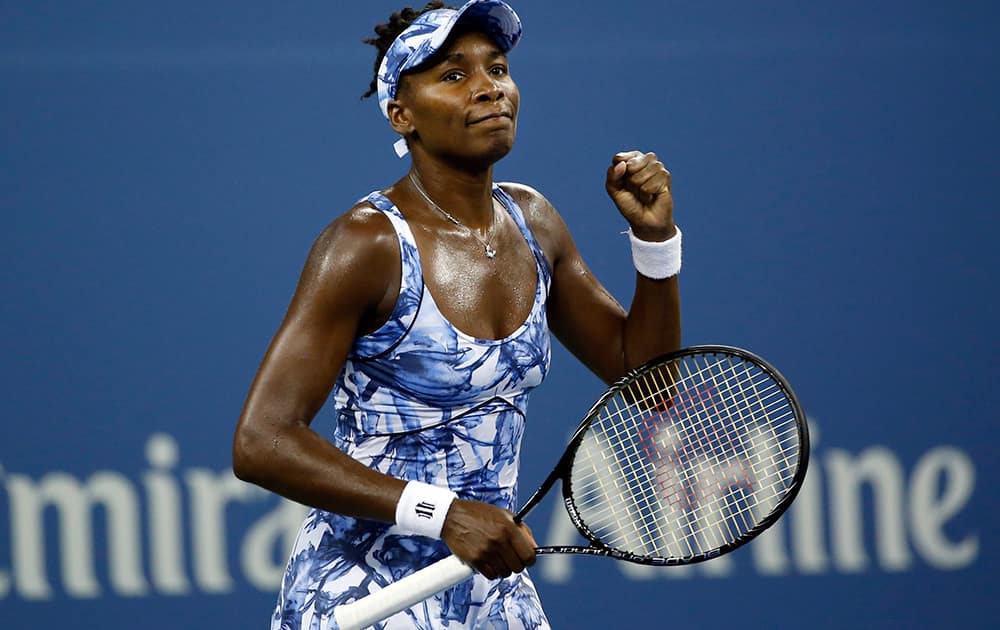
{"type": "Point", "coordinates": [422, 508]}
{"type": "Point", "coordinates": [657, 260]}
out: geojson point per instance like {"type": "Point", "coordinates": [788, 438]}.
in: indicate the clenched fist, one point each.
{"type": "Point", "coordinates": [639, 185]}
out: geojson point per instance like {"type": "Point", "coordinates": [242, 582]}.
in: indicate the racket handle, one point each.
{"type": "Point", "coordinates": [402, 594]}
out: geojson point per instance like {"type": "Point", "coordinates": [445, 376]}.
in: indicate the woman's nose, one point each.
{"type": "Point", "coordinates": [488, 89]}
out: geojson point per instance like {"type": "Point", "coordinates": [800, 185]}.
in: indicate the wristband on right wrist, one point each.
{"type": "Point", "coordinates": [422, 509]}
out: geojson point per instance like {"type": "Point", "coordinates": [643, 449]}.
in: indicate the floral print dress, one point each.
{"type": "Point", "coordinates": [419, 399]}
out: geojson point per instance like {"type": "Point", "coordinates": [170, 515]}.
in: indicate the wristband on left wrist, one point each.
{"type": "Point", "coordinates": [657, 260]}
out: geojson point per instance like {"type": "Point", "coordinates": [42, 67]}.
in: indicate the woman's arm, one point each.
{"type": "Point", "coordinates": [581, 312]}
{"type": "Point", "coordinates": [346, 278]}
{"type": "Point", "coordinates": [349, 285]}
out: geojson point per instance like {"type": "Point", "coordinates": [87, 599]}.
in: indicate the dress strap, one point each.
{"type": "Point", "coordinates": [411, 287]}
{"type": "Point", "coordinates": [522, 224]}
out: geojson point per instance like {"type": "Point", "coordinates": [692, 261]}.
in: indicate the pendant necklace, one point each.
{"type": "Point", "coordinates": [487, 247]}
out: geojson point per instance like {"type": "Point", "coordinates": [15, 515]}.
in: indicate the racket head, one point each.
{"type": "Point", "coordinates": [685, 458]}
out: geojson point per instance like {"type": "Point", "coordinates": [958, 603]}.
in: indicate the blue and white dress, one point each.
{"type": "Point", "coordinates": [420, 399]}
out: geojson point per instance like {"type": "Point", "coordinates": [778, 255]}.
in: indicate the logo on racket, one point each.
{"type": "Point", "coordinates": [679, 450]}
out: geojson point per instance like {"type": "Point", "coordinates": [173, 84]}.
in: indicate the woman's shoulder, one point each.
{"type": "Point", "coordinates": [522, 192]}
{"type": "Point", "coordinates": [361, 235]}
{"type": "Point", "coordinates": [538, 211]}
{"type": "Point", "coordinates": [542, 218]}
{"type": "Point", "coordinates": [533, 204]}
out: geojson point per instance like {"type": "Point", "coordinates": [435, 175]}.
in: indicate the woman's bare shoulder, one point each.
{"type": "Point", "coordinates": [537, 209]}
{"type": "Point", "coordinates": [354, 259]}
{"type": "Point", "coordinates": [529, 199]}
{"type": "Point", "coordinates": [544, 220]}
{"type": "Point", "coordinates": [362, 233]}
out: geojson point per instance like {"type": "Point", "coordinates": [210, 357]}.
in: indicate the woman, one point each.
{"type": "Point", "coordinates": [425, 310]}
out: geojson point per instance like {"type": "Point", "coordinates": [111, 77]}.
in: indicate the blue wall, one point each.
{"type": "Point", "coordinates": [165, 168]}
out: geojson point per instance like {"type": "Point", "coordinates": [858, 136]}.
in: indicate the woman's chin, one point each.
{"type": "Point", "coordinates": [498, 146]}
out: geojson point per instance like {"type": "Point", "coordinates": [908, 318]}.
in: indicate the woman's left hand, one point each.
{"type": "Point", "coordinates": [639, 185]}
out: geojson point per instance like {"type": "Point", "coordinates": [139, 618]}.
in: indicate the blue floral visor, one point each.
{"type": "Point", "coordinates": [428, 33]}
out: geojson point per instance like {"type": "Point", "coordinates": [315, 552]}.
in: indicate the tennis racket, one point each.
{"type": "Point", "coordinates": [684, 459]}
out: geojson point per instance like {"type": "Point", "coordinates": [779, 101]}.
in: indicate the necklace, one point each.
{"type": "Point", "coordinates": [487, 247]}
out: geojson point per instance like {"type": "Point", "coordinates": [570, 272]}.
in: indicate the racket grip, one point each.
{"type": "Point", "coordinates": [402, 594]}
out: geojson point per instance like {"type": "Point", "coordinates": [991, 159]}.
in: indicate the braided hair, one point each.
{"type": "Point", "coordinates": [388, 32]}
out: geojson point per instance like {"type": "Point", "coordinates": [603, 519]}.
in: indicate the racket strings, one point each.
{"type": "Point", "coordinates": [744, 415]}
{"type": "Point", "coordinates": [690, 457]}
{"type": "Point", "coordinates": [726, 439]}
{"type": "Point", "coordinates": [645, 503]}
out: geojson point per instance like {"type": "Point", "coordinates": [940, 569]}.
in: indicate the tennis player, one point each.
{"type": "Point", "coordinates": [424, 313]}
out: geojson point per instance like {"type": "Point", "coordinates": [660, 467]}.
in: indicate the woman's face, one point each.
{"type": "Point", "coordinates": [465, 106]}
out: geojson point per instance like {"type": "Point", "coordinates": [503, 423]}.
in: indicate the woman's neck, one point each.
{"type": "Point", "coordinates": [466, 195]}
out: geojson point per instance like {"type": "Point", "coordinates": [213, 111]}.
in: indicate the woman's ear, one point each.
{"type": "Point", "coordinates": [399, 118]}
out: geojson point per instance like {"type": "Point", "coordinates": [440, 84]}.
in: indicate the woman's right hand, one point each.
{"type": "Point", "coordinates": [486, 538]}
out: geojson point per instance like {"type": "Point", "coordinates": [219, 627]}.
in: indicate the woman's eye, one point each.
{"type": "Point", "coordinates": [499, 70]}
{"type": "Point", "coordinates": [453, 76]}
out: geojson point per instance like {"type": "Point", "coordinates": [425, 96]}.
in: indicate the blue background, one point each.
{"type": "Point", "coordinates": [164, 169]}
